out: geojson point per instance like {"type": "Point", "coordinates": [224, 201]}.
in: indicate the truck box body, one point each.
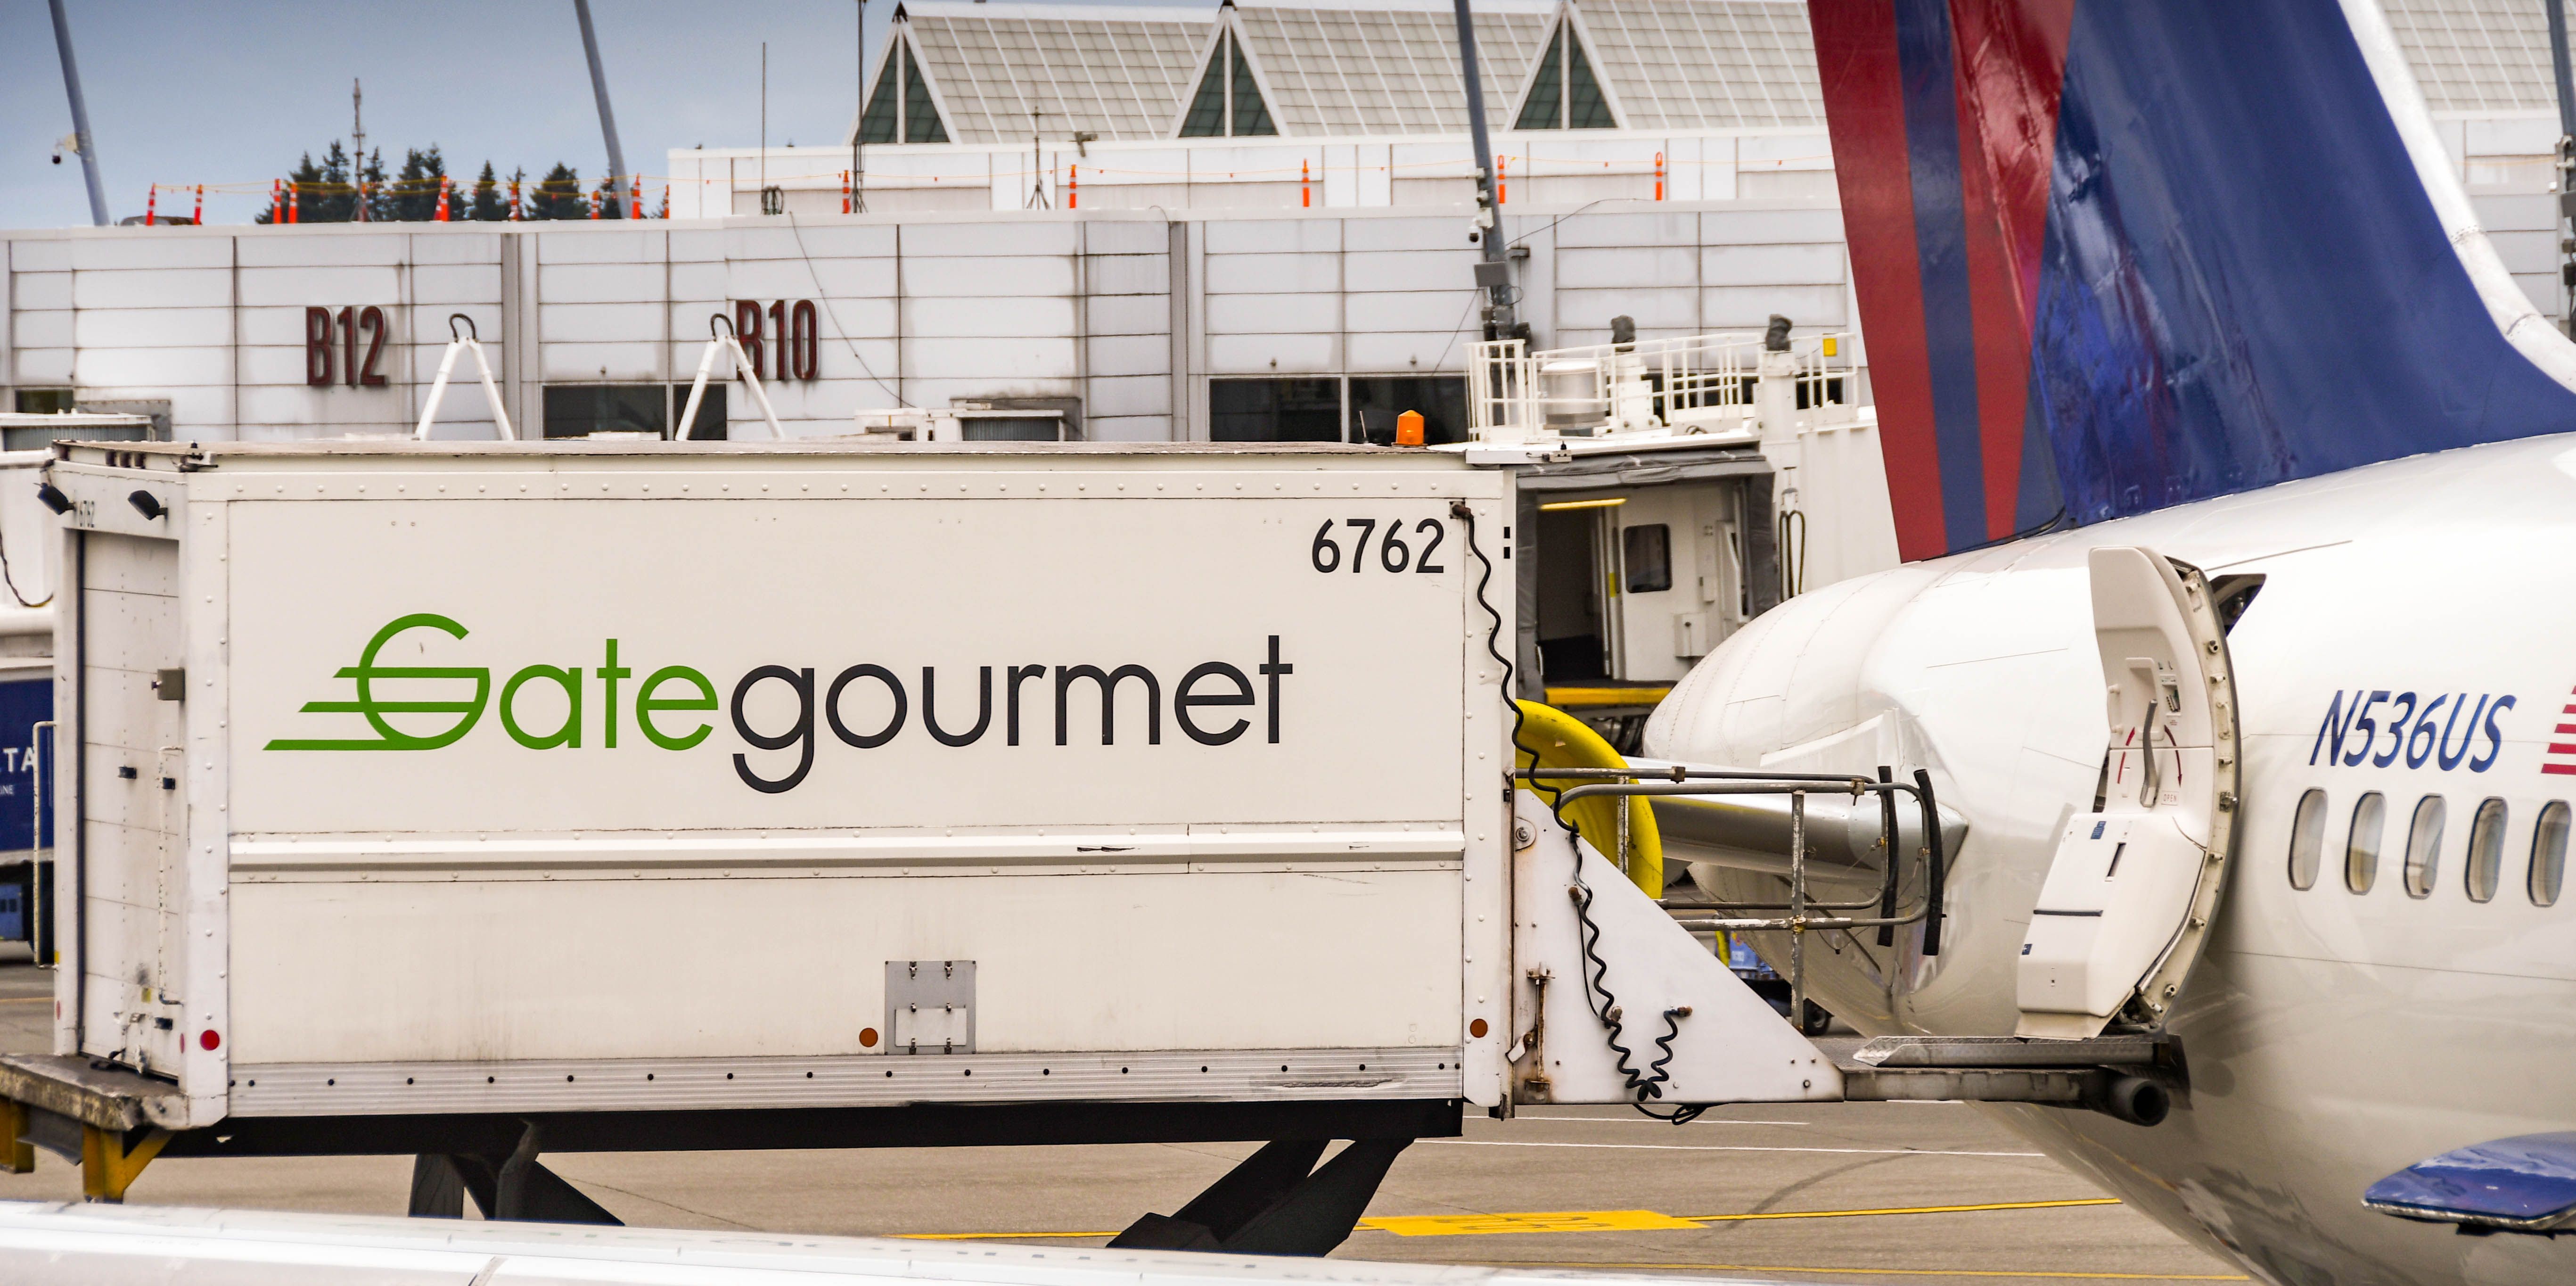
{"type": "Point", "coordinates": [450, 778]}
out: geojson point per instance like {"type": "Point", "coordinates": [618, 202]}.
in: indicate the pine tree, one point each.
{"type": "Point", "coordinates": [488, 204]}
{"type": "Point", "coordinates": [558, 196]}
{"type": "Point", "coordinates": [611, 204]}
{"type": "Point", "coordinates": [326, 194]}
{"type": "Point", "coordinates": [413, 195]}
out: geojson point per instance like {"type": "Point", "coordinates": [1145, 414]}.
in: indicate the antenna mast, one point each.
{"type": "Point", "coordinates": [358, 144]}
{"type": "Point", "coordinates": [1037, 163]}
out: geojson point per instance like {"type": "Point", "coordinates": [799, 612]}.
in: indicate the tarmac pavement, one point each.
{"type": "Point", "coordinates": [1890, 1194]}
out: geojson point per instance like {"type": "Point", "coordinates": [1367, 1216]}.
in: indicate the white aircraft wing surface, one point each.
{"type": "Point", "coordinates": [177, 1246]}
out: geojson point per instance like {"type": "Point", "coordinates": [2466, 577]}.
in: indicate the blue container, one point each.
{"type": "Point", "coordinates": [24, 703]}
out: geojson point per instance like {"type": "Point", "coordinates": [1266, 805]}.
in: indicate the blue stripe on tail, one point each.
{"type": "Point", "coordinates": [2243, 281]}
{"type": "Point", "coordinates": [1941, 241]}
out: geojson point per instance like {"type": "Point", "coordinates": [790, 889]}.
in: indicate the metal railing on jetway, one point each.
{"type": "Point", "coordinates": [1689, 384]}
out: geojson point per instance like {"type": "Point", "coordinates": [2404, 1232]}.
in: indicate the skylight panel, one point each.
{"type": "Point", "coordinates": [1545, 106]}
{"type": "Point", "coordinates": [1207, 107]}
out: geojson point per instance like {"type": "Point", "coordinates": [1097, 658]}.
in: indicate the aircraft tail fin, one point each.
{"type": "Point", "coordinates": [2114, 257]}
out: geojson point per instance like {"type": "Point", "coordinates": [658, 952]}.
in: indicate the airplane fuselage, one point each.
{"type": "Point", "coordinates": [2413, 639]}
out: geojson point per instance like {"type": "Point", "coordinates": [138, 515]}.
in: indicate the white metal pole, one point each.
{"type": "Point", "coordinates": [492, 391]}
{"type": "Point", "coordinates": [751, 374]}
{"type": "Point", "coordinates": [697, 390]}
{"type": "Point", "coordinates": [438, 389]}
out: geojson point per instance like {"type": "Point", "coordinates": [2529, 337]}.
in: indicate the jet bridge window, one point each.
{"type": "Point", "coordinates": [579, 410]}
{"type": "Point", "coordinates": [2361, 851]}
{"type": "Point", "coordinates": [2307, 839]}
{"type": "Point", "coordinates": [2424, 846]}
{"type": "Point", "coordinates": [1647, 553]}
{"type": "Point", "coordinates": [2486, 850]}
{"type": "Point", "coordinates": [2549, 853]}
{"type": "Point", "coordinates": [1275, 410]}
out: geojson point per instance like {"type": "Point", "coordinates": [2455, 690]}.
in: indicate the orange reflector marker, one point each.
{"type": "Point", "coordinates": [1408, 429]}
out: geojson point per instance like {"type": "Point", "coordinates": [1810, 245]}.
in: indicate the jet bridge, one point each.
{"type": "Point", "coordinates": [1671, 489]}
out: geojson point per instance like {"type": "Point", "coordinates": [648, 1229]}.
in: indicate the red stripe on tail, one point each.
{"type": "Point", "coordinates": [2010, 57]}
{"type": "Point", "coordinates": [1865, 112]}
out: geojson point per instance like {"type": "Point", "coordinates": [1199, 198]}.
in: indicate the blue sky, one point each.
{"type": "Point", "coordinates": [234, 93]}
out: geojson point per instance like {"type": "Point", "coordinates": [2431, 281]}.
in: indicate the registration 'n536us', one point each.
{"type": "Point", "coordinates": [2379, 727]}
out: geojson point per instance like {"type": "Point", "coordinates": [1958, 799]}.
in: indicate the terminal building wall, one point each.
{"type": "Point", "coordinates": [1130, 313]}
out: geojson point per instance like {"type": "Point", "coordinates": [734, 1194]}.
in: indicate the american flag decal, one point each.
{"type": "Point", "coordinates": [2561, 755]}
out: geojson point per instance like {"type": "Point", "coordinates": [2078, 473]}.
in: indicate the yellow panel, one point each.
{"type": "Point", "coordinates": [1579, 696]}
{"type": "Point", "coordinates": [1551, 738]}
{"type": "Point", "coordinates": [1559, 1221]}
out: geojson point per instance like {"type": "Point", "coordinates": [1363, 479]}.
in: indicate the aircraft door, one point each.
{"type": "Point", "coordinates": [133, 816]}
{"type": "Point", "coordinates": [2129, 899]}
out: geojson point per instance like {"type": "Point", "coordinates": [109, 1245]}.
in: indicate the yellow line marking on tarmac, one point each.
{"type": "Point", "coordinates": [1863, 1272]}
{"type": "Point", "coordinates": [1557, 1221]}
{"type": "Point", "coordinates": [24, 1000]}
{"type": "Point", "coordinates": [1908, 1210]}
{"type": "Point", "coordinates": [1600, 1221]}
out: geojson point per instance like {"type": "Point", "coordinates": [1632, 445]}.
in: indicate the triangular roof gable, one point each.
{"type": "Point", "coordinates": [1226, 28]}
{"type": "Point", "coordinates": [899, 44]}
{"type": "Point", "coordinates": [1567, 23]}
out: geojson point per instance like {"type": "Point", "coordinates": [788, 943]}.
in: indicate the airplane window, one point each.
{"type": "Point", "coordinates": [2361, 855]}
{"type": "Point", "coordinates": [2486, 850]}
{"type": "Point", "coordinates": [2549, 853]}
{"type": "Point", "coordinates": [2424, 846]}
{"type": "Point", "coordinates": [2307, 839]}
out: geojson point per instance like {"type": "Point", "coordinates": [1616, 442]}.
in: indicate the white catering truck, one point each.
{"type": "Point", "coordinates": [477, 800]}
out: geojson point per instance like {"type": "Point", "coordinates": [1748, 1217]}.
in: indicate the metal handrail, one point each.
{"type": "Point", "coordinates": [1680, 383]}
{"type": "Point", "coordinates": [1625, 784]}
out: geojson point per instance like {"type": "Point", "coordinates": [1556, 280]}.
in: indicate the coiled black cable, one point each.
{"type": "Point", "coordinates": [1648, 1084]}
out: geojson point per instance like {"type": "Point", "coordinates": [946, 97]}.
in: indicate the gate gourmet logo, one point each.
{"type": "Point", "coordinates": [425, 707]}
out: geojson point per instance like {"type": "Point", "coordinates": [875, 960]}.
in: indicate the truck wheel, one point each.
{"type": "Point", "coordinates": [1816, 1020]}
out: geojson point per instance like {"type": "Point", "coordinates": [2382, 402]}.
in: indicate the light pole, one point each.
{"type": "Point", "coordinates": [1493, 266]}
{"type": "Point", "coordinates": [81, 140]}
{"type": "Point", "coordinates": [617, 174]}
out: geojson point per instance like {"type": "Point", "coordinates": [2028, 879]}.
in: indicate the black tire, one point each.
{"type": "Point", "coordinates": [1817, 1020]}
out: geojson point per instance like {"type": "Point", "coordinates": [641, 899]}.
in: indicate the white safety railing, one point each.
{"type": "Point", "coordinates": [1686, 384]}
{"type": "Point", "coordinates": [725, 341]}
{"type": "Point", "coordinates": [456, 343]}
